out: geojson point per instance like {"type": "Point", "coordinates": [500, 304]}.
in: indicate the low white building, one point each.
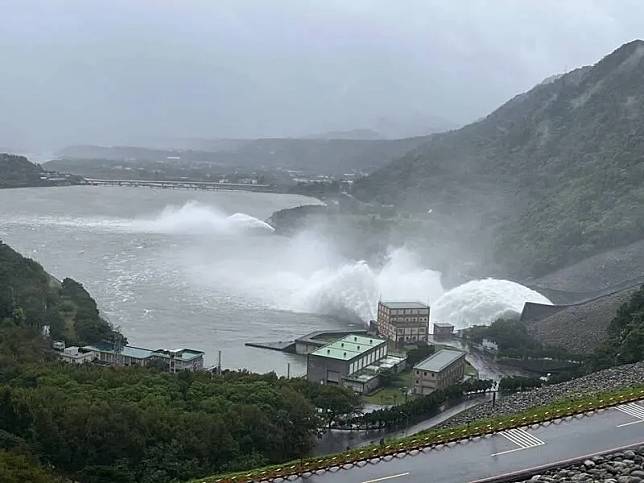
{"type": "Point", "coordinates": [490, 345]}
{"type": "Point", "coordinates": [74, 355]}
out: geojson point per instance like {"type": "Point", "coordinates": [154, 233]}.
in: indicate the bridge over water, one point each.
{"type": "Point", "coordinates": [179, 184]}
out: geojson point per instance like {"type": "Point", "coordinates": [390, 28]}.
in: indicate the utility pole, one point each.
{"type": "Point", "coordinates": [218, 362]}
{"type": "Point", "coordinates": [288, 370]}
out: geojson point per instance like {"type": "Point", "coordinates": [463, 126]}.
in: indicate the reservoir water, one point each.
{"type": "Point", "coordinates": [201, 269]}
{"type": "Point", "coordinates": [168, 266]}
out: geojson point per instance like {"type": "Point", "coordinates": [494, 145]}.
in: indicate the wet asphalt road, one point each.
{"type": "Point", "coordinates": [506, 452]}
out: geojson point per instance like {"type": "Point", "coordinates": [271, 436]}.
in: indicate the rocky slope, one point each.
{"type": "Point", "coordinates": [620, 467]}
{"type": "Point", "coordinates": [601, 273]}
{"type": "Point", "coordinates": [592, 318]}
{"type": "Point", "coordinates": [557, 173]}
{"type": "Point", "coordinates": [613, 378]}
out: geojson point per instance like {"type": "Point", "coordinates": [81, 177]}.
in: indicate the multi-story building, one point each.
{"type": "Point", "coordinates": [441, 369]}
{"type": "Point", "coordinates": [354, 361]}
{"type": "Point", "coordinates": [403, 322]}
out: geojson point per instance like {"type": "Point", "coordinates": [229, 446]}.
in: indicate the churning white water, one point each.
{"type": "Point", "coordinates": [480, 302]}
{"type": "Point", "coordinates": [198, 219]}
{"type": "Point", "coordinates": [201, 269]}
{"type": "Point", "coordinates": [306, 273]}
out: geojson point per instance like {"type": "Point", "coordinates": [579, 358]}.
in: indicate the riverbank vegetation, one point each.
{"type": "Point", "coordinates": [30, 296]}
{"type": "Point", "coordinates": [99, 424]}
{"type": "Point", "coordinates": [96, 424]}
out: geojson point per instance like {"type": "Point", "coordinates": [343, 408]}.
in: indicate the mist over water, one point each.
{"type": "Point", "coordinates": [197, 219]}
{"type": "Point", "coordinates": [201, 269]}
{"type": "Point", "coordinates": [307, 274]}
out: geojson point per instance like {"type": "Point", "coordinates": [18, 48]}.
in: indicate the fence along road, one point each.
{"type": "Point", "coordinates": [503, 453]}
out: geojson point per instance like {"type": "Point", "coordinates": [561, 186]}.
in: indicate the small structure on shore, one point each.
{"type": "Point", "coordinates": [441, 369]}
{"type": "Point", "coordinates": [443, 330]}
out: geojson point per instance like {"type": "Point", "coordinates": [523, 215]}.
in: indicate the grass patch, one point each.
{"type": "Point", "coordinates": [557, 409]}
{"type": "Point", "coordinates": [391, 394]}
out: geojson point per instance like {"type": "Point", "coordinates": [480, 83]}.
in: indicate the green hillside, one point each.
{"type": "Point", "coordinates": [556, 173]}
{"type": "Point", "coordinates": [29, 296]}
{"type": "Point", "coordinates": [18, 172]}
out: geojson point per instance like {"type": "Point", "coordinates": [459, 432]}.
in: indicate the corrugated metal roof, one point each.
{"type": "Point", "coordinates": [440, 360]}
{"type": "Point", "coordinates": [404, 305]}
{"type": "Point", "coordinates": [348, 347]}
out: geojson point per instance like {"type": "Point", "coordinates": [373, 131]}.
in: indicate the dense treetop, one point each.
{"type": "Point", "coordinates": [30, 296]}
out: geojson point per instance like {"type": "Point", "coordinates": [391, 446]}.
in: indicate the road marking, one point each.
{"type": "Point", "coordinates": [634, 410]}
{"type": "Point", "coordinates": [547, 466]}
{"type": "Point", "coordinates": [521, 438]}
{"type": "Point", "coordinates": [386, 478]}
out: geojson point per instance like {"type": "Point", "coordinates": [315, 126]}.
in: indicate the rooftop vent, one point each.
{"type": "Point", "coordinates": [358, 347]}
{"type": "Point", "coordinates": [341, 344]}
{"type": "Point", "coordinates": [345, 354]}
{"type": "Point", "coordinates": [370, 341]}
{"type": "Point", "coordinates": [355, 339]}
{"type": "Point", "coordinates": [328, 351]}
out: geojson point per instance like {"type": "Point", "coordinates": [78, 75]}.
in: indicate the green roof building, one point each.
{"type": "Point", "coordinates": [353, 361]}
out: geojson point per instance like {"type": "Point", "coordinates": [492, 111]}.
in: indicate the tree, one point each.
{"type": "Point", "coordinates": [336, 401]}
{"type": "Point", "coordinates": [414, 356]}
{"type": "Point", "coordinates": [18, 468]}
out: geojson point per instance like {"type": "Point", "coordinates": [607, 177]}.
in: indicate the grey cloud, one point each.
{"type": "Point", "coordinates": [119, 71]}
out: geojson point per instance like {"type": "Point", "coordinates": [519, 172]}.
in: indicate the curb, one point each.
{"type": "Point", "coordinates": [414, 446]}
{"type": "Point", "coordinates": [530, 472]}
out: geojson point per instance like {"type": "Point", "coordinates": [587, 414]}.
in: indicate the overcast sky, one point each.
{"type": "Point", "coordinates": [122, 71]}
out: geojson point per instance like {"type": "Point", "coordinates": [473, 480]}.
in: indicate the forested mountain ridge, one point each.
{"type": "Point", "coordinates": [557, 173]}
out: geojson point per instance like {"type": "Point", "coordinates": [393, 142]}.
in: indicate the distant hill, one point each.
{"type": "Point", "coordinates": [319, 156]}
{"type": "Point", "coordinates": [350, 134]}
{"type": "Point", "coordinates": [17, 172]}
{"type": "Point", "coordinates": [555, 174]}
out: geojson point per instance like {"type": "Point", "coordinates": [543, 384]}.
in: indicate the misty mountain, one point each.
{"type": "Point", "coordinates": [364, 134]}
{"type": "Point", "coordinates": [555, 175]}
{"type": "Point", "coordinates": [320, 156]}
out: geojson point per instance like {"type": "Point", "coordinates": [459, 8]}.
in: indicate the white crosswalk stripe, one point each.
{"type": "Point", "coordinates": [521, 438]}
{"type": "Point", "coordinates": [634, 410]}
